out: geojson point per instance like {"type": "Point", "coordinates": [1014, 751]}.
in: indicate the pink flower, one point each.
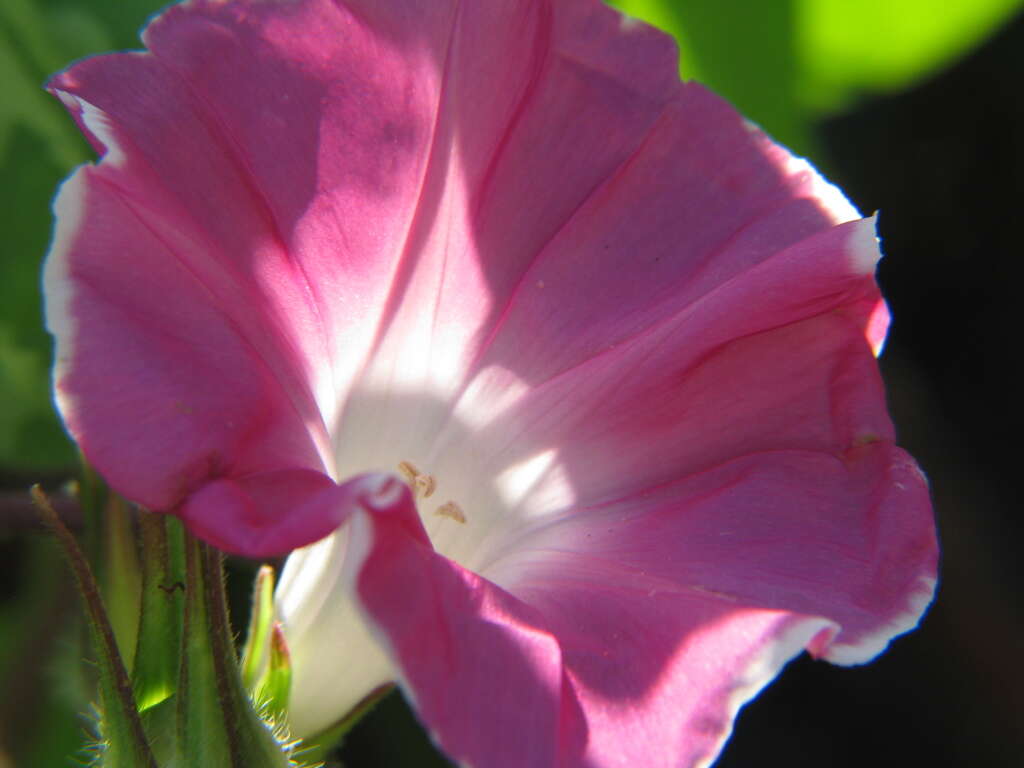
{"type": "Point", "coordinates": [618, 342]}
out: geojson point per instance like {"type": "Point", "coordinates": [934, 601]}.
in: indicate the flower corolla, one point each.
{"type": "Point", "coordinates": [564, 370]}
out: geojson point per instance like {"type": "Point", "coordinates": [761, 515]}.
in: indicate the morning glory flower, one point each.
{"type": "Point", "coordinates": [560, 373]}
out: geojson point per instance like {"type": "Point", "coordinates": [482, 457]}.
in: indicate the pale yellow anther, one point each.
{"type": "Point", "coordinates": [425, 484]}
{"type": "Point", "coordinates": [408, 469]}
{"type": "Point", "coordinates": [452, 510]}
{"type": "Point", "coordinates": [421, 484]}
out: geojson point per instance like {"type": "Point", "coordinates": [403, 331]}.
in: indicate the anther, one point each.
{"type": "Point", "coordinates": [425, 484]}
{"type": "Point", "coordinates": [422, 485]}
{"type": "Point", "coordinates": [452, 510]}
{"type": "Point", "coordinates": [408, 469]}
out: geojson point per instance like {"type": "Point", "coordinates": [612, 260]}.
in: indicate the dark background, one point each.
{"type": "Point", "coordinates": [944, 164]}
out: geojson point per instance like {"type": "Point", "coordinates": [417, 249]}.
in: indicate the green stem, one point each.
{"type": "Point", "coordinates": [126, 740]}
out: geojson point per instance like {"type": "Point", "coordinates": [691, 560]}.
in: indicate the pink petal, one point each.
{"type": "Point", "coordinates": [608, 200]}
{"type": "Point", "coordinates": [162, 376]}
{"type": "Point", "coordinates": [847, 538]}
{"type": "Point", "coordinates": [673, 607]}
{"type": "Point", "coordinates": [262, 514]}
{"type": "Point", "coordinates": [314, 169]}
{"type": "Point", "coordinates": [666, 611]}
{"type": "Point", "coordinates": [324, 239]}
{"type": "Point", "coordinates": [773, 359]}
{"type": "Point", "coordinates": [215, 282]}
{"type": "Point", "coordinates": [480, 668]}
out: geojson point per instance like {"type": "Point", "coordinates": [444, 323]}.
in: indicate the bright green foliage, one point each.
{"type": "Point", "coordinates": [784, 63]}
{"type": "Point", "coordinates": [743, 50]}
{"type": "Point", "coordinates": [848, 45]}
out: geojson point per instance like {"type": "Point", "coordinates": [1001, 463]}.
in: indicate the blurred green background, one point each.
{"type": "Point", "coordinates": [913, 107]}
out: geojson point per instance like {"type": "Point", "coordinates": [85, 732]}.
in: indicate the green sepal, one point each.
{"type": "Point", "coordinates": [119, 575]}
{"type": "Point", "coordinates": [261, 620]}
{"type": "Point", "coordinates": [157, 660]}
{"type": "Point", "coordinates": [122, 741]}
{"type": "Point", "coordinates": [217, 724]}
{"type": "Point", "coordinates": [275, 685]}
{"type": "Point", "coordinates": [161, 724]}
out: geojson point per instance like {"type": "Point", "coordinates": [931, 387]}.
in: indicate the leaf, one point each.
{"type": "Point", "coordinates": [745, 51]}
{"type": "Point", "coordinates": [785, 63]}
{"type": "Point", "coordinates": [31, 436]}
{"type": "Point", "coordinates": [846, 46]}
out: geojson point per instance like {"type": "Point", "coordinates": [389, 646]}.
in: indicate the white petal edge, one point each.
{"type": "Point", "coordinates": [68, 210]}
{"type": "Point", "coordinates": [870, 646]}
{"type": "Point", "coordinates": [98, 124]}
{"type": "Point", "coordinates": [763, 669]}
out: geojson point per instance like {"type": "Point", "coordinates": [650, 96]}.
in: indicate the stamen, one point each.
{"type": "Point", "coordinates": [408, 469]}
{"type": "Point", "coordinates": [425, 484]}
{"type": "Point", "coordinates": [422, 485]}
{"type": "Point", "coordinates": [452, 510]}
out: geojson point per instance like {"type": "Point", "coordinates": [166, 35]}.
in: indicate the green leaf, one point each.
{"type": "Point", "coordinates": [846, 46]}
{"type": "Point", "coordinates": [31, 437]}
{"type": "Point", "coordinates": [744, 51]}
{"type": "Point", "coordinates": [784, 63]}
{"type": "Point", "coordinates": [26, 57]}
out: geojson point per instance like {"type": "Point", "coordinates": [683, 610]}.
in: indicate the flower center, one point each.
{"type": "Point", "coordinates": [423, 486]}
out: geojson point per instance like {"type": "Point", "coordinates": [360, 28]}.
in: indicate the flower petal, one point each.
{"type": "Point", "coordinates": [773, 359]}
{"type": "Point", "coordinates": [848, 539]}
{"type": "Point", "coordinates": [674, 606]}
{"type": "Point", "coordinates": [481, 670]}
{"type": "Point", "coordinates": [216, 280]}
{"type": "Point", "coordinates": [314, 169]}
{"type": "Point", "coordinates": [265, 513]}
{"type": "Point", "coordinates": [598, 197]}
{"type": "Point", "coordinates": [654, 617]}
{"type": "Point", "coordinates": [299, 162]}
{"type": "Point", "coordinates": [163, 387]}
